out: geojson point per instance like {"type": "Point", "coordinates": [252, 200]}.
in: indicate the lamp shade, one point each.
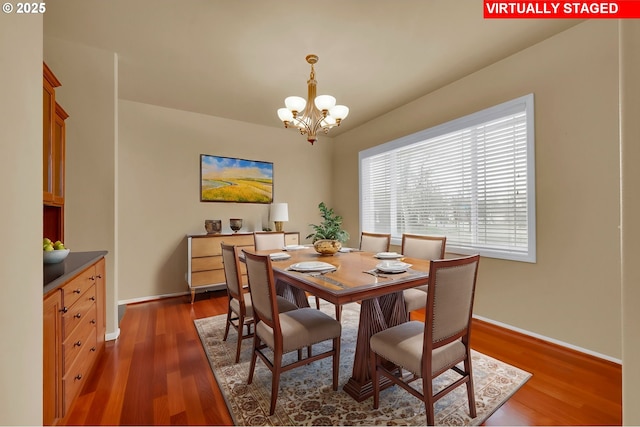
{"type": "Point", "coordinates": [279, 212]}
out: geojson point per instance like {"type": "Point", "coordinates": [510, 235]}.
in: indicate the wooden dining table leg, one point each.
{"type": "Point", "coordinates": [292, 293]}
{"type": "Point", "coordinates": [372, 321]}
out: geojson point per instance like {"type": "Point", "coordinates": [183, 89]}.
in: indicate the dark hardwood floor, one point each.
{"type": "Point", "coordinates": [156, 373]}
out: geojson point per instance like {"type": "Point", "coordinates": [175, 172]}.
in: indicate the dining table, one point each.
{"type": "Point", "coordinates": [355, 278]}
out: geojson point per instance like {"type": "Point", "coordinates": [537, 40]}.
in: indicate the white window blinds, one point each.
{"type": "Point", "coordinates": [471, 180]}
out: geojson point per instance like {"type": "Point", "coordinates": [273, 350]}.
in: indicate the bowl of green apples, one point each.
{"type": "Point", "coordinates": [53, 252]}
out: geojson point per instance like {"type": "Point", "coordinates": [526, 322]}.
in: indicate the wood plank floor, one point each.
{"type": "Point", "coordinates": [156, 373]}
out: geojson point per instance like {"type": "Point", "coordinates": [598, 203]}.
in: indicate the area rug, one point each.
{"type": "Point", "coordinates": [306, 396]}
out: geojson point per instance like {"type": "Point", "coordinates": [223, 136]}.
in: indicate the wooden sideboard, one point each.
{"type": "Point", "coordinates": [204, 257]}
{"type": "Point", "coordinates": [74, 328]}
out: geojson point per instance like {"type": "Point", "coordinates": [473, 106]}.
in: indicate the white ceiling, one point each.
{"type": "Point", "coordinates": [239, 59]}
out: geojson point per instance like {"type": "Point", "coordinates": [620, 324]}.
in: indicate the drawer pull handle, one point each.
{"type": "Point", "coordinates": [77, 343]}
{"type": "Point", "coordinates": [93, 321]}
{"type": "Point", "coordinates": [76, 291]}
{"type": "Point", "coordinates": [92, 298]}
{"type": "Point", "coordinates": [92, 278]}
{"type": "Point", "coordinates": [79, 377]}
{"type": "Point", "coordinates": [99, 276]}
{"type": "Point", "coordinates": [93, 349]}
{"type": "Point", "coordinates": [77, 315]}
{"type": "Point", "coordinates": [64, 310]}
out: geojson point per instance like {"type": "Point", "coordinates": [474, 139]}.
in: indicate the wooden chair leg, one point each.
{"type": "Point", "coordinates": [252, 366]}
{"type": "Point", "coordinates": [336, 362]}
{"type": "Point", "coordinates": [275, 380]}
{"type": "Point", "coordinates": [226, 329]}
{"type": "Point", "coordinates": [240, 332]}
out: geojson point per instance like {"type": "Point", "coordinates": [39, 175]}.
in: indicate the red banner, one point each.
{"type": "Point", "coordinates": [620, 9]}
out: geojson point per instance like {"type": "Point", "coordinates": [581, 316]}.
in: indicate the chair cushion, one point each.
{"type": "Point", "coordinates": [235, 305]}
{"type": "Point", "coordinates": [415, 298]}
{"type": "Point", "coordinates": [285, 305]}
{"type": "Point", "coordinates": [403, 345]}
{"type": "Point", "coordinates": [301, 328]}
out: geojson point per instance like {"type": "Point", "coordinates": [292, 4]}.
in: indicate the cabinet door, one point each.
{"type": "Point", "coordinates": [48, 109]}
{"type": "Point", "coordinates": [58, 147]}
{"type": "Point", "coordinates": [52, 375]}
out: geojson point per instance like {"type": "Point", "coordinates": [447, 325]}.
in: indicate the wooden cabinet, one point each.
{"type": "Point", "coordinates": [204, 257]}
{"type": "Point", "coordinates": [73, 337]}
{"type": "Point", "coordinates": [53, 157]}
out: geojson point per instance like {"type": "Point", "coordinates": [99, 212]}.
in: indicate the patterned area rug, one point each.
{"type": "Point", "coordinates": [306, 396]}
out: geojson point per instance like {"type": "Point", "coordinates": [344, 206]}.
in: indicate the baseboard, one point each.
{"type": "Point", "coordinates": [151, 298]}
{"type": "Point", "coordinates": [113, 335]}
{"type": "Point", "coordinates": [484, 319]}
{"type": "Point", "coordinates": [550, 340]}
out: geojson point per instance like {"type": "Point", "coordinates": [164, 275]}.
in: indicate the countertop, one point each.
{"type": "Point", "coordinates": [55, 275]}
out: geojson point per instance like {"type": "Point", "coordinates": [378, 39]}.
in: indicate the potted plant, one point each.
{"type": "Point", "coordinates": [328, 236]}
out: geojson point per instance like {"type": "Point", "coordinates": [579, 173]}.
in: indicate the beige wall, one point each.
{"type": "Point", "coordinates": [88, 93]}
{"type": "Point", "coordinates": [567, 295]}
{"type": "Point", "coordinates": [630, 156]}
{"type": "Point", "coordinates": [21, 217]}
{"type": "Point", "coordinates": [159, 161]}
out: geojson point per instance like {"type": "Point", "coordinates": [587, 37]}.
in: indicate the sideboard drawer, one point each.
{"type": "Point", "coordinates": [206, 263]}
{"type": "Point", "coordinates": [77, 374]}
{"type": "Point", "coordinates": [201, 278]}
{"type": "Point", "coordinates": [78, 312]}
{"type": "Point", "coordinates": [78, 285]}
{"type": "Point", "coordinates": [83, 337]}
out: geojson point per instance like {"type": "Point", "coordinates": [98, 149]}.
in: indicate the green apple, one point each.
{"type": "Point", "coordinates": [58, 245]}
{"type": "Point", "coordinates": [46, 241]}
{"type": "Point", "coordinates": [48, 248]}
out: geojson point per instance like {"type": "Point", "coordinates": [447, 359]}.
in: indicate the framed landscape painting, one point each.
{"type": "Point", "coordinates": [227, 179]}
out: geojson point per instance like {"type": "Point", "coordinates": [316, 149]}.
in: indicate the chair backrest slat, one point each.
{"type": "Point", "coordinates": [231, 266]}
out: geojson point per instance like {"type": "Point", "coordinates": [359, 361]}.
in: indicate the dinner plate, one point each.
{"type": "Point", "coordinates": [277, 256]}
{"type": "Point", "coordinates": [393, 266]}
{"type": "Point", "coordinates": [388, 255]}
{"type": "Point", "coordinates": [293, 247]}
{"type": "Point", "coordinates": [312, 266]}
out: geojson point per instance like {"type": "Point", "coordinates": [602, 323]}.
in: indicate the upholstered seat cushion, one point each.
{"type": "Point", "coordinates": [301, 328]}
{"type": "Point", "coordinates": [283, 305]}
{"type": "Point", "coordinates": [403, 346]}
{"type": "Point", "coordinates": [415, 298]}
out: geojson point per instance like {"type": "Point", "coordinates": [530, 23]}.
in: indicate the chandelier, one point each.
{"type": "Point", "coordinates": [317, 113]}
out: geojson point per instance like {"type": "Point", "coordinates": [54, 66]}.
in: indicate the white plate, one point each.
{"type": "Point", "coordinates": [346, 250]}
{"type": "Point", "coordinates": [277, 256]}
{"type": "Point", "coordinates": [393, 266]}
{"type": "Point", "coordinates": [388, 255]}
{"type": "Point", "coordinates": [293, 247]}
{"type": "Point", "coordinates": [312, 266]}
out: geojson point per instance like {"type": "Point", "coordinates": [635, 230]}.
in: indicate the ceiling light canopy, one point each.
{"type": "Point", "coordinates": [317, 113]}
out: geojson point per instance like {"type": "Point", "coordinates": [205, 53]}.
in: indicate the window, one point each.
{"type": "Point", "coordinates": [471, 179]}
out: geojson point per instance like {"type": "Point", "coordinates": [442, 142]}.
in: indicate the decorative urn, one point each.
{"type": "Point", "coordinates": [327, 247]}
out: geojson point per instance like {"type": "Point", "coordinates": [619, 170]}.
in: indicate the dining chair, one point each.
{"type": "Point", "coordinates": [375, 242]}
{"type": "Point", "coordinates": [423, 247]}
{"type": "Point", "coordinates": [266, 240]}
{"type": "Point", "coordinates": [240, 309]}
{"type": "Point", "coordinates": [285, 332]}
{"type": "Point", "coordinates": [439, 344]}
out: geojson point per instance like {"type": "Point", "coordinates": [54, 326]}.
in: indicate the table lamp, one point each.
{"type": "Point", "coordinates": [279, 213]}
